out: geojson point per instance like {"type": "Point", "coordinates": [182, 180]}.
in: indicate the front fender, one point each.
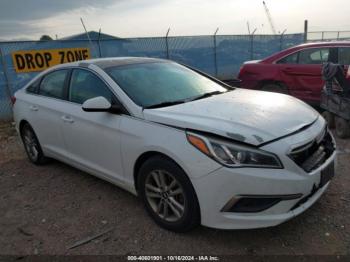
{"type": "Point", "coordinates": [140, 136]}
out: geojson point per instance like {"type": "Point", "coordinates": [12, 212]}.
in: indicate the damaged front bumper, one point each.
{"type": "Point", "coordinates": [294, 192]}
{"type": "Point", "coordinates": [243, 198]}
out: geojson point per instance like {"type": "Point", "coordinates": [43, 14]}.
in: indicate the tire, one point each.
{"type": "Point", "coordinates": [32, 145]}
{"type": "Point", "coordinates": [276, 88]}
{"type": "Point", "coordinates": [178, 192]}
{"type": "Point", "coordinates": [342, 127]}
{"type": "Point", "coordinates": [329, 117]}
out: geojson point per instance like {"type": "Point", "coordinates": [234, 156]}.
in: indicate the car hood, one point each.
{"type": "Point", "coordinates": [248, 116]}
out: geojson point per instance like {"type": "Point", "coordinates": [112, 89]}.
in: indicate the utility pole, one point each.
{"type": "Point", "coordinates": [306, 24]}
{"type": "Point", "coordinates": [215, 56]}
{"type": "Point", "coordinates": [281, 39]}
{"type": "Point", "coordinates": [99, 43]}
{"type": "Point", "coordinates": [167, 43]}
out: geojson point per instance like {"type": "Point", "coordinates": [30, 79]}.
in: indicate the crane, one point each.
{"type": "Point", "coordinates": [273, 29]}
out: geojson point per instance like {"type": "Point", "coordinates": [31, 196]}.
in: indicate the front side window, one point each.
{"type": "Point", "coordinates": [344, 55]}
{"type": "Point", "coordinates": [85, 85]}
{"type": "Point", "coordinates": [291, 59]}
{"type": "Point", "coordinates": [314, 56]}
{"type": "Point", "coordinates": [150, 84]}
{"type": "Point", "coordinates": [52, 84]}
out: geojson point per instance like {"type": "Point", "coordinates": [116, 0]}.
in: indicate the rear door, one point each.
{"type": "Point", "coordinates": [92, 138]}
{"type": "Point", "coordinates": [303, 77]}
{"type": "Point", "coordinates": [343, 58]}
{"type": "Point", "coordinates": [44, 107]}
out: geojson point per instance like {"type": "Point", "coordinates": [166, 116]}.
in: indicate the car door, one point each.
{"type": "Point", "coordinates": [343, 56]}
{"type": "Point", "coordinates": [92, 138]}
{"type": "Point", "coordinates": [44, 106]}
{"type": "Point", "coordinates": [303, 76]}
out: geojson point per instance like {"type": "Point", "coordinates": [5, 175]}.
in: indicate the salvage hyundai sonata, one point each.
{"type": "Point", "coordinates": [195, 150]}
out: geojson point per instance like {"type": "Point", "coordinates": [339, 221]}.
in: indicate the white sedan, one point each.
{"type": "Point", "coordinates": [195, 150]}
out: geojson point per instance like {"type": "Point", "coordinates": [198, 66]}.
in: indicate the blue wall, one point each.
{"type": "Point", "coordinates": [196, 51]}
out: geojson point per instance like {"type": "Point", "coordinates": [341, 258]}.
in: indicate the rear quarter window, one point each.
{"type": "Point", "coordinates": [34, 87]}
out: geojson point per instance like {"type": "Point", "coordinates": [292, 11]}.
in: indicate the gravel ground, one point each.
{"type": "Point", "coordinates": [45, 210]}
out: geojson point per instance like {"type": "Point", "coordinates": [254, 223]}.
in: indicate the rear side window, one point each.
{"type": "Point", "coordinates": [344, 55]}
{"type": "Point", "coordinates": [291, 59]}
{"type": "Point", "coordinates": [85, 85]}
{"type": "Point", "coordinates": [314, 56]}
{"type": "Point", "coordinates": [52, 84]}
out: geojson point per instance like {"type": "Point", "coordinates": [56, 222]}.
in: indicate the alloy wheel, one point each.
{"type": "Point", "coordinates": [165, 195]}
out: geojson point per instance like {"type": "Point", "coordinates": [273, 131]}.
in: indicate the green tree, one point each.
{"type": "Point", "coordinates": [45, 38]}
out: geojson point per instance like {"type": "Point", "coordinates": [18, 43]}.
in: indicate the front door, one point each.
{"type": "Point", "coordinates": [92, 138]}
{"type": "Point", "coordinates": [304, 77]}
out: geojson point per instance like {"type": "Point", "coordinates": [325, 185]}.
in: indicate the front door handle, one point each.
{"type": "Point", "coordinates": [288, 70]}
{"type": "Point", "coordinates": [34, 108]}
{"type": "Point", "coordinates": [67, 119]}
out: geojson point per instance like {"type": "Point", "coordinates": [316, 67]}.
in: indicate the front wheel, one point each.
{"type": "Point", "coordinates": [168, 195]}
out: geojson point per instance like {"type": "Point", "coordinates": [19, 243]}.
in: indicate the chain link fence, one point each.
{"type": "Point", "coordinates": [217, 55]}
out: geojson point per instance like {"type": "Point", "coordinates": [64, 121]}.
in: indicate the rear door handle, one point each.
{"type": "Point", "coordinates": [67, 119]}
{"type": "Point", "coordinates": [34, 108]}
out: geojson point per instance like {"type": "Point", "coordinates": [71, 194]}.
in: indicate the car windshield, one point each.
{"type": "Point", "coordinates": [160, 84]}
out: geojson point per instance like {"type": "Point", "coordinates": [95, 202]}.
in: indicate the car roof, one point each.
{"type": "Point", "coordinates": [121, 61]}
{"type": "Point", "coordinates": [325, 43]}
{"type": "Point", "coordinates": [112, 62]}
{"type": "Point", "coordinates": [290, 50]}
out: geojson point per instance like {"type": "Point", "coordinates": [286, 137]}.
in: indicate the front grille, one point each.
{"type": "Point", "coordinates": [313, 154]}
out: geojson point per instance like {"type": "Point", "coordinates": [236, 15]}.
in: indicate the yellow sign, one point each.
{"type": "Point", "coordinates": [38, 60]}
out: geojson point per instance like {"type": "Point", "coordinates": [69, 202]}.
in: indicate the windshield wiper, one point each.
{"type": "Point", "coordinates": [207, 95]}
{"type": "Point", "coordinates": [164, 104]}
{"type": "Point", "coordinates": [171, 103]}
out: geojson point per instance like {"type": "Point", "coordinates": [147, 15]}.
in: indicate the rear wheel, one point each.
{"type": "Point", "coordinates": [276, 88]}
{"type": "Point", "coordinates": [342, 127]}
{"type": "Point", "coordinates": [32, 145]}
{"type": "Point", "coordinates": [329, 117]}
{"type": "Point", "coordinates": [168, 195]}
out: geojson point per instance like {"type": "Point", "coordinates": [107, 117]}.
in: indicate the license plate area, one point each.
{"type": "Point", "coordinates": [327, 174]}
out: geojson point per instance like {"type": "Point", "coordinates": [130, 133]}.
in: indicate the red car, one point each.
{"type": "Point", "coordinates": [295, 71]}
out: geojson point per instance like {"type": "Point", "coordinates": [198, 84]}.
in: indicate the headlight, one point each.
{"type": "Point", "coordinates": [233, 155]}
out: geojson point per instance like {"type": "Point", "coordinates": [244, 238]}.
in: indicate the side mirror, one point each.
{"type": "Point", "coordinates": [101, 104]}
{"type": "Point", "coordinates": [97, 104]}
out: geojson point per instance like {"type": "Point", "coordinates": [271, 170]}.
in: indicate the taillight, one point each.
{"type": "Point", "coordinates": [13, 100]}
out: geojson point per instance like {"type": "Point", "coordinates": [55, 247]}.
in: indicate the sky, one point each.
{"type": "Point", "coordinates": [29, 19]}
